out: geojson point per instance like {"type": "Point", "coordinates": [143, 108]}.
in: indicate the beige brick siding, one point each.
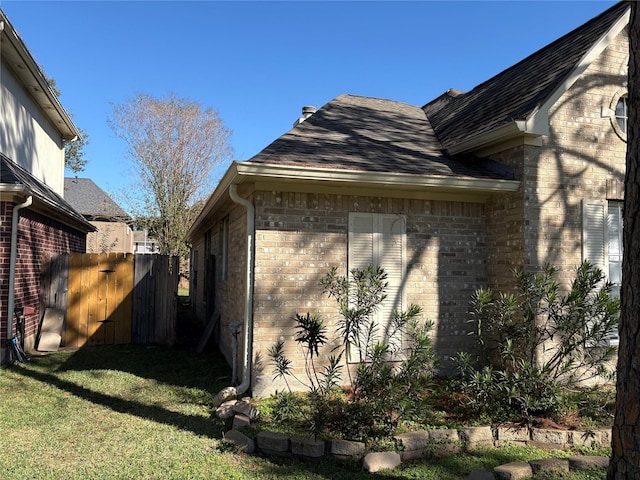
{"type": "Point", "coordinates": [299, 237]}
{"type": "Point", "coordinates": [114, 237]}
{"type": "Point", "coordinates": [506, 225]}
{"type": "Point", "coordinates": [581, 155]}
{"type": "Point", "coordinates": [229, 294]}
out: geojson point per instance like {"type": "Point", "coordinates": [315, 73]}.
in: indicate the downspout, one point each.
{"type": "Point", "coordinates": [12, 267]}
{"type": "Point", "coordinates": [248, 301]}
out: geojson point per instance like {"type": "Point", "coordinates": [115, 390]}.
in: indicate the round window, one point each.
{"type": "Point", "coordinates": [621, 113]}
{"type": "Point", "coordinates": [619, 116]}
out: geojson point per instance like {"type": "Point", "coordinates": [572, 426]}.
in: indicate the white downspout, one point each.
{"type": "Point", "coordinates": [12, 266]}
{"type": "Point", "coordinates": [248, 301]}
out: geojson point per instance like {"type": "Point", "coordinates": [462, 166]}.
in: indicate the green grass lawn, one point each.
{"type": "Point", "coordinates": [143, 412]}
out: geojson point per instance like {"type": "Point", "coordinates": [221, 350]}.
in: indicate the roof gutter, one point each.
{"type": "Point", "coordinates": [390, 179]}
{"type": "Point", "coordinates": [12, 268]}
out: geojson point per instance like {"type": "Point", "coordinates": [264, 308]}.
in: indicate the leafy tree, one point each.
{"type": "Point", "coordinates": [625, 459]}
{"type": "Point", "coordinates": [174, 145]}
{"type": "Point", "coordinates": [74, 158]}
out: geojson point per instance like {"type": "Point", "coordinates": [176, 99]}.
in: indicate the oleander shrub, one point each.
{"type": "Point", "coordinates": [393, 363]}
{"type": "Point", "coordinates": [539, 343]}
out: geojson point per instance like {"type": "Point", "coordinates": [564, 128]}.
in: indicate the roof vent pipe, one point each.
{"type": "Point", "coordinates": [306, 113]}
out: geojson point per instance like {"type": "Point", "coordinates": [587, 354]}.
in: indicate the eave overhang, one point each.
{"type": "Point", "coordinates": [18, 193]}
{"type": "Point", "coordinates": [519, 129]}
{"type": "Point", "coordinates": [26, 69]}
{"type": "Point", "coordinates": [345, 181]}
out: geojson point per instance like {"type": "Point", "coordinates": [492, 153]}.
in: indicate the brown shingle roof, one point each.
{"type": "Point", "coordinates": [518, 91]}
{"type": "Point", "coordinates": [91, 201]}
{"type": "Point", "coordinates": [371, 135]}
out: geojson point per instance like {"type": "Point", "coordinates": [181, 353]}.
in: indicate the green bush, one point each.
{"type": "Point", "coordinates": [535, 344]}
{"type": "Point", "coordinates": [393, 364]}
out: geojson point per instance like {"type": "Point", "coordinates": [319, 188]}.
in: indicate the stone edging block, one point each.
{"type": "Point", "coordinates": [307, 447]}
{"type": "Point", "coordinates": [418, 444]}
{"type": "Point", "coordinates": [345, 449]}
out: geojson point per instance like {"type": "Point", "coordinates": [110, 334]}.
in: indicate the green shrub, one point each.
{"type": "Point", "coordinates": [393, 364]}
{"type": "Point", "coordinates": [538, 342]}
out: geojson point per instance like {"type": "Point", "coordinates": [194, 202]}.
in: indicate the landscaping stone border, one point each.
{"type": "Point", "coordinates": [420, 444]}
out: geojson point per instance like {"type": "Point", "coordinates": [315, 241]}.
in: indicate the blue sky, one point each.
{"type": "Point", "coordinates": [259, 63]}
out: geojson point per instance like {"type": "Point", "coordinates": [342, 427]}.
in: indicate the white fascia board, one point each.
{"type": "Point", "coordinates": [11, 192]}
{"type": "Point", "coordinates": [539, 119]}
{"type": "Point", "coordinates": [387, 179]}
{"type": "Point", "coordinates": [19, 193]}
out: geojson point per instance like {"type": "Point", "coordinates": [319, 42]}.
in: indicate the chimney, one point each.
{"type": "Point", "coordinates": [306, 113]}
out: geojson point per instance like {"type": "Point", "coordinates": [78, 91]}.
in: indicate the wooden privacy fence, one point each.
{"type": "Point", "coordinates": [113, 298]}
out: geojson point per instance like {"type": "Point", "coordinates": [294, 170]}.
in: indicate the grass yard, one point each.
{"type": "Point", "coordinates": [132, 412]}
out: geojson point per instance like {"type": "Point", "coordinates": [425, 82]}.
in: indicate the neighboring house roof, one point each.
{"type": "Point", "coordinates": [24, 66]}
{"type": "Point", "coordinates": [524, 90]}
{"type": "Point", "coordinates": [370, 135]}
{"type": "Point", "coordinates": [19, 182]}
{"type": "Point", "coordinates": [91, 201]}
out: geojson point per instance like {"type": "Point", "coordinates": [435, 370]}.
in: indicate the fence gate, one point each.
{"type": "Point", "coordinates": [110, 297]}
{"type": "Point", "coordinates": [99, 299]}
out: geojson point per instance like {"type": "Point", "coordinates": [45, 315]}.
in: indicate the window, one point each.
{"type": "Point", "coordinates": [618, 113]}
{"type": "Point", "coordinates": [224, 247]}
{"type": "Point", "coordinates": [621, 113]}
{"type": "Point", "coordinates": [602, 241]}
{"type": "Point", "coordinates": [379, 240]}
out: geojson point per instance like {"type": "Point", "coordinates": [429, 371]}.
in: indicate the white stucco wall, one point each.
{"type": "Point", "coordinates": [26, 135]}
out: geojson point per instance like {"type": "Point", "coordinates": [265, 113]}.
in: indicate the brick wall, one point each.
{"type": "Point", "coordinates": [230, 292]}
{"type": "Point", "coordinates": [299, 237]}
{"type": "Point", "coordinates": [37, 236]}
{"type": "Point", "coordinates": [580, 157]}
{"type": "Point", "coordinates": [505, 214]}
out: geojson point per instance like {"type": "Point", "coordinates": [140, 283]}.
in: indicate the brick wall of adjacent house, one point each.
{"type": "Point", "coordinates": [37, 236]}
{"type": "Point", "coordinates": [300, 236]}
{"type": "Point", "coordinates": [115, 237]}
